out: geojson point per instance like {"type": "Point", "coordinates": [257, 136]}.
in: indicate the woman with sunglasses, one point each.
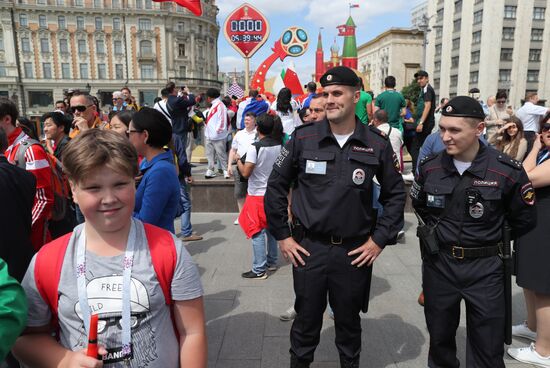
{"type": "Point", "coordinates": [498, 113]}
{"type": "Point", "coordinates": [532, 257]}
{"type": "Point", "coordinates": [509, 139]}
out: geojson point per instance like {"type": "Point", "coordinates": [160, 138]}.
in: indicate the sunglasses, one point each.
{"type": "Point", "coordinates": [79, 108]}
{"type": "Point", "coordinates": [501, 101]}
{"type": "Point", "coordinates": [546, 127]}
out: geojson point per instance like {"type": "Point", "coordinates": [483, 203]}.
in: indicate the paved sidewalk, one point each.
{"type": "Point", "coordinates": [244, 330]}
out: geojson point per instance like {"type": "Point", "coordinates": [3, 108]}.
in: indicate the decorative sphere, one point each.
{"type": "Point", "coordinates": [294, 41]}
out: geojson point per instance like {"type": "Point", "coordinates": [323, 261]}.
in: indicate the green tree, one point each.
{"type": "Point", "coordinates": [411, 92]}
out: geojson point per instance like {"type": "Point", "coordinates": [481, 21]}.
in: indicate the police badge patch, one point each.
{"type": "Point", "coordinates": [415, 190]}
{"type": "Point", "coordinates": [396, 163]}
{"type": "Point", "coordinates": [358, 176]}
{"type": "Point", "coordinates": [528, 194]}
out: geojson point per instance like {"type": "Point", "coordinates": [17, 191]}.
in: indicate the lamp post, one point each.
{"type": "Point", "coordinates": [424, 27]}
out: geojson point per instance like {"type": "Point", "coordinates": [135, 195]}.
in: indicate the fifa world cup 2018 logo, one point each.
{"type": "Point", "coordinates": [105, 299]}
{"type": "Point", "coordinates": [294, 41]}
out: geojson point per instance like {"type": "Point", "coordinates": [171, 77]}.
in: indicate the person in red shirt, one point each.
{"type": "Point", "coordinates": [35, 162]}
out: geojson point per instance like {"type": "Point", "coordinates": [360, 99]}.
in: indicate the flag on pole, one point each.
{"type": "Point", "coordinates": [235, 90]}
{"type": "Point", "coordinates": [193, 5]}
{"type": "Point", "coordinates": [345, 30]}
{"type": "Point", "coordinates": [278, 83]}
{"type": "Point", "coordinates": [353, 5]}
{"type": "Point", "coordinates": [292, 81]}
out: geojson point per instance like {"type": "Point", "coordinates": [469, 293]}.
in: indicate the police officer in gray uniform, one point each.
{"type": "Point", "coordinates": [335, 237]}
{"type": "Point", "coordinates": [463, 195]}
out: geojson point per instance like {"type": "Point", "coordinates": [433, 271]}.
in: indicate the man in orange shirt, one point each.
{"type": "Point", "coordinates": [85, 114]}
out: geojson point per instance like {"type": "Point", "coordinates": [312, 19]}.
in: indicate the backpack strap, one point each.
{"type": "Point", "coordinates": [164, 257]}
{"type": "Point", "coordinates": [47, 272]}
{"type": "Point", "coordinates": [21, 150]}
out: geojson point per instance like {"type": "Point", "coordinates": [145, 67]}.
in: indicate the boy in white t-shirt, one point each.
{"type": "Point", "coordinates": [257, 166]}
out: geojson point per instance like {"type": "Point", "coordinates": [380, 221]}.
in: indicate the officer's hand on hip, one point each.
{"type": "Point", "coordinates": [291, 251]}
{"type": "Point", "coordinates": [368, 252]}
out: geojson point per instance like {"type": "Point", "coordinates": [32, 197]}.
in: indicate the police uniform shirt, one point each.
{"type": "Point", "coordinates": [332, 190]}
{"type": "Point", "coordinates": [496, 185]}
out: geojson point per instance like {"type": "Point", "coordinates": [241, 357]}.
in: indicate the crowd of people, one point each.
{"type": "Point", "coordinates": [320, 175]}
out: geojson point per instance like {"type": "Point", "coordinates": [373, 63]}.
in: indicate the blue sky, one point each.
{"type": "Point", "coordinates": [371, 18]}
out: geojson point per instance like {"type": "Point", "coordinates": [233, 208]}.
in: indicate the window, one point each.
{"type": "Point", "coordinates": [61, 22]}
{"type": "Point", "coordinates": [23, 21]}
{"type": "Point", "coordinates": [534, 54]}
{"type": "Point", "coordinates": [506, 54]}
{"type": "Point", "coordinates": [508, 33]}
{"type": "Point", "coordinates": [453, 80]}
{"type": "Point", "coordinates": [42, 21]}
{"type": "Point", "coordinates": [116, 24]}
{"type": "Point", "coordinates": [439, 17]}
{"type": "Point", "coordinates": [458, 6]}
{"type": "Point", "coordinates": [47, 70]}
{"type": "Point", "coordinates": [183, 71]}
{"type": "Point", "coordinates": [474, 57]}
{"type": "Point", "coordinates": [97, 3]}
{"type": "Point", "coordinates": [25, 45]}
{"type": "Point", "coordinates": [28, 70]}
{"type": "Point", "coordinates": [538, 13]}
{"type": "Point", "coordinates": [101, 71]}
{"type": "Point", "coordinates": [476, 37]}
{"type": "Point", "coordinates": [119, 71]}
{"type": "Point", "coordinates": [116, 4]}
{"type": "Point", "coordinates": [148, 4]}
{"type": "Point", "coordinates": [474, 77]}
{"type": "Point", "coordinates": [80, 22]}
{"type": "Point", "coordinates": [181, 50]}
{"type": "Point", "coordinates": [439, 32]}
{"type": "Point", "coordinates": [99, 47]}
{"type": "Point", "coordinates": [65, 71]}
{"type": "Point", "coordinates": [1, 42]}
{"type": "Point", "coordinates": [478, 16]}
{"type": "Point", "coordinates": [456, 43]}
{"type": "Point", "coordinates": [60, 2]}
{"type": "Point", "coordinates": [437, 66]}
{"type": "Point", "coordinates": [437, 81]}
{"type": "Point", "coordinates": [118, 47]}
{"type": "Point", "coordinates": [181, 26]}
{"type": "Point", "coordinates": [201, 52]}
{"type": "Point", "coordinates": [536, 34]}
{"type": "Point", "coordinates": [144, 24]}
{"type": "Point", "coordinates": [510, 12]}
{"type": "Point", "coordinates": [146, 48]}
{"type": "Point", "coordinates": [139, 4]}
{"type": "Point", "coordinates": [2, 70]}
{"type": "Point", "coordinates": [200, 29]}
{"type": "Point", "coordinates": [44, 45]}
{"type": "Point", "coordinates": [146, 71]}
{"type": "Point", "coordinates": [98, 23]}
{"type": "Point", "coordinates": [63, 46]}
{"type": "Point", "coordinates": [456, 25]}
{"type": "Point", "coordinates": [83, 71]}
{"type": "Point", "coordinates": [438, 49]}
{"type": "Point", "coordinates": [82, 47]}
{"type": "Point", "coordinates": [79, 3]}
{"type": "Point", "coordinates": [41, 2]}
{"type": "Point", "coordinates": [504, 75]}
{"type": "Point", "coordinates": [40, 98]}
{"type": "Point", "coordinates": [532, 76]}
{"type": "Point", "coordinates": [454, 62]}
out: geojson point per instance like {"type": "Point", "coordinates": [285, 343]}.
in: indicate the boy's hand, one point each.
{"type": "Point", "coordinates": [79, 359]}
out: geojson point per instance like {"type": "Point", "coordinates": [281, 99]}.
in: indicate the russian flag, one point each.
{"type": "Point", "coordinates": [353, 5]}
{"type": "Point", "coordinates": [193, 5]}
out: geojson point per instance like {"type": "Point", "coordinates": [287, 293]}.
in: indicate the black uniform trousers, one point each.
{"type": "Point", "coordinates": [329, 269]}
{"type": "Point", "coordinates": [480, 282]}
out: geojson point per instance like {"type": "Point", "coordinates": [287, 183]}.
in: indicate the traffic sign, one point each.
{"type": "Point", "coordinates": [246, 29]}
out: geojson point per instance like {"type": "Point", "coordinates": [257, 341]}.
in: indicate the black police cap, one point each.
{"type": "Point", "coordinates": [421, 73]}
{"type": "Point", "coordinates": [341, 75]}
{"type": "Point", "coordinates": [474, 90]}
{"type": "Point", "coordinates": [464, 107]}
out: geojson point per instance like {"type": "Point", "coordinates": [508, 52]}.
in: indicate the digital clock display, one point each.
{"type": "Point", "coordinates": [248, 25]}
{"type": "Point", "coordinates": [246, 38]}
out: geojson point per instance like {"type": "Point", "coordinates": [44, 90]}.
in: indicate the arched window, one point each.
{"type": "Point", "coordinates": [146, 47]}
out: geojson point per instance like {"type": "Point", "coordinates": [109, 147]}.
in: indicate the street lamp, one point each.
{"type": "Point", "coordinates": [424, 27]}
{"type": "Point", "coordinates": [88, 87]}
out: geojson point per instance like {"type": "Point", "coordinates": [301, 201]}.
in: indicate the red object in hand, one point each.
{"type": "Point", "coordinates": [92, 338]}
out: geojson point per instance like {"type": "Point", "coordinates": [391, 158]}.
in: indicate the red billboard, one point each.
{"type": "Point", "coordinates": [246, 29]}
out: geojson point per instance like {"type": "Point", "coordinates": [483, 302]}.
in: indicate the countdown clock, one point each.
{"type": "Point", "coordinates": [246, 29]}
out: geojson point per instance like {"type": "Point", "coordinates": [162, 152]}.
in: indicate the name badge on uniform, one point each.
{"type": "Point", "coordinates": [436, 201]}
{"type": "Point", "coordinates": [316, 167]}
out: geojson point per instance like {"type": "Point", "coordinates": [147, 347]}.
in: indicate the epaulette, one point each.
{"type": "Point", "coordinates": [426, 159]}
{"type": "Point", "coordinates": [507, 160]}
{"type": "Point", "coordinates": [303, 126]}
{"type": "Point", "coordinates": [378, 131]}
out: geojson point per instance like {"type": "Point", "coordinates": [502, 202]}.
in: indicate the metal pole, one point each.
{"type": "Point", "coordinates": [246, 75]}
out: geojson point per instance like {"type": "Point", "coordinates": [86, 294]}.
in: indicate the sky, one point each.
{"type": "Point", "coordinates": [372, 18]}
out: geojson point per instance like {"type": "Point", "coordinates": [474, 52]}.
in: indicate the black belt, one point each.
{"type": "Point", "coordinates": [462, 252]}
{"type": "Point", "coordinates": [336, 240]}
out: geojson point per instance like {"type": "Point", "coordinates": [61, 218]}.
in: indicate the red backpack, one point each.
{"type": "Point", "coordinates": [49, 260]}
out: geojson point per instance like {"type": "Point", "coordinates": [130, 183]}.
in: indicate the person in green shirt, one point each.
{"type": "Point", "coordinates": [363, 109]}
{"type": "Point", "coordinates": [13, 310]}
{"type": "Point", "coordinates": [393, 103]}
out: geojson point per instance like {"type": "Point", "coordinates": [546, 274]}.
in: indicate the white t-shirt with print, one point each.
{"type": "Point", "coordinates": [263, 160]}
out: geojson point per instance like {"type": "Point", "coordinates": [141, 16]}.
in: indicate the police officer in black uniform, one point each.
{"type": "Point", "coordinates": [465, 194]}
{"type": "Point", "coordinates": [336, 238]}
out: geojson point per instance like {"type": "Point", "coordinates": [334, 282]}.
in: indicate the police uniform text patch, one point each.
{"type": "Point", "coordinates": [485, 183]}
{"type": "Point", "coordinates": [415, 190]}
{"type": "Point", "coordinates": [528, 194]}
{"type": "Point", "coordinates": [362, 149]}
{"type": "Point", "coordinates": [282, 156]}
{"type": "Point", "coordinates": [396, 163]}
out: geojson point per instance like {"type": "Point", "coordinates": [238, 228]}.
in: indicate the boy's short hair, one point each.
{"type": "Point", "coordinates": [3, 141]}
{"type": "Point", "coordinates": [251, 114]}
{"type": "Point", "coordinates": [7, 107]}
{"type": "Point", "coordinates": [95, 148]}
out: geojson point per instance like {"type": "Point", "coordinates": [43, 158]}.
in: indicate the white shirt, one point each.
{"type": "Point", "coordinates": [530, 115]}
{"type": "Point", "coordinates": [342, 139]}
{"type": "Point", "coordinates": [290, 120]}
{"type": "Point", "coordinates": [242, 140]}
{"type": "Point", "coordinates": [461, 166]}
{"type": "Point", "coordinates": [395, 138]}
{"type": "Point", "coordinates": [161, 106]}
{"type": "Point", "coordinates": [240, 111]}
{"type": "Point", "coordinates": [264, 160]}
{"type": "Point", "coordinates": [216, 122]}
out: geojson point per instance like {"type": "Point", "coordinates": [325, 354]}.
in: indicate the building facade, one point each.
{"type": "Point", "coordinates": [492, 45]}
{"type": "Point", "coordinates": [50, 46]}
{"type": "Point", "coordinates": [418, 14]}
{"type": "Point", "coordinates": [396, 52]}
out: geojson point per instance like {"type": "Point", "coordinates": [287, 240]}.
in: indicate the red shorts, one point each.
{"type": "Point", "coordinates": [252, 218]}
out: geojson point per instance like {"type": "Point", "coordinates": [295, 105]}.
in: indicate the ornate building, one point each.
{"type": "Point", "coordinates": [50, 46]}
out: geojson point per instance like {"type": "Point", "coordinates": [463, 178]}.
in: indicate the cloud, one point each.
{"type": "Point", "coordinates": [230, 63]}
{"type": "Point", "coordinates": [267, 7]}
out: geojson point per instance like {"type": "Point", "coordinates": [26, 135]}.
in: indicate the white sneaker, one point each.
{"type": "Point", "coordinates": [226, 174]}
{"type": "Point", "coordinates": [289, 315]}
{"type": "Point", "coordinates": [209, 174]}
{"type": "Point", "coordinates": [529, 355]}
{"type": "Point", "coordinates": [408, 177]}
{"type": "Point", "coordinates": [400, 235]}
{"type": "Point", "coordinates": [236, 222]}
{"type": "Point", "coordinates": [522, 330]}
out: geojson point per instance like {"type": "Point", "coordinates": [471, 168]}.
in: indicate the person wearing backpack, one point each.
{"type": "Point", "coordinates": [28, 154]}
{"type": "Point", "coordinates": [138, 278]}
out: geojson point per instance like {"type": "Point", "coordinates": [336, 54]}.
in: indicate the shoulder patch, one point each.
{"type": "Point", "coordinates": [378, 132]}
{"type": "Point", "coordinates": [507, 160]}
{"type": "Point", "coordinates": [427, 159]}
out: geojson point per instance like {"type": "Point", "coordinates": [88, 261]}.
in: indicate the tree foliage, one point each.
{"type": "Point", "coordinates": [411, 92]}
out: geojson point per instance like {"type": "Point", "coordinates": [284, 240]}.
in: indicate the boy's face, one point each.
{"type": "Point", "coordinates": [106, 198]}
